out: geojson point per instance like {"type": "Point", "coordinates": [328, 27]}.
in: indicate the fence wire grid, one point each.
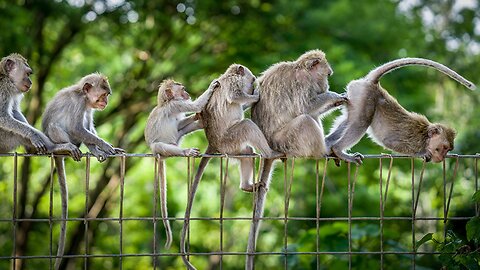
{"type": "Point", "coordinates": [309, 247]}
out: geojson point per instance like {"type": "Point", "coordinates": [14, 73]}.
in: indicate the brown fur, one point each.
{"type": "Point", "coordinates": [229, 133]}
{"type": "Point", "coordinates": [292, 97]}
{"type": "Point", "coordinates": [371, 109]}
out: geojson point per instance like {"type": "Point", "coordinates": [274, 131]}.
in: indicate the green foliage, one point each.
{"type": "Point", "coordinates": [139, 43]}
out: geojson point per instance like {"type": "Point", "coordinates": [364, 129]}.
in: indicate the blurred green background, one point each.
{"type": "Point", "coordinates": [137, 44]}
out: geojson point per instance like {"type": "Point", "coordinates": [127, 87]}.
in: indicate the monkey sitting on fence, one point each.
{"type": "Point", "coordinates": [293, 95]}
{"type": "Point", "coordinates": [166, 126]}
{"type": "Point", "coordinates": [372, 110]}
{"type": "Point", "coordinates": [14, 127]}
{"type": "Point", "coordinates": [229, 133]}
{"type": "Point", "coordinates": [68, 118]}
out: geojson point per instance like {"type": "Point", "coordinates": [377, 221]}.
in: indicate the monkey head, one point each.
{"type": "Point", "coordinates": [17, 69]}
{"type": "Point", "coordinates": [439, 142]}
{"type": "Point", "coordinates": [171, 90]}
{"type": "Point", "coordinates": [97, 90]}
{"type": "Point", "coordinates": [313, 67]}
{"type": "Point", "coordinates": [247, 80]}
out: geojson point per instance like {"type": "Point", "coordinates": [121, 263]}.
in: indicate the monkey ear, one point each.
{"type": "Point", "coordinates": [9, 65]}
{"type": "Point", "coordinates": [433, 131]}
{"type": "Point", "coordinates": [86, 87]}
{"type": "Point", "coordinates": [241, 70]}
{"type": "Point", "coordinates": [312, 63]}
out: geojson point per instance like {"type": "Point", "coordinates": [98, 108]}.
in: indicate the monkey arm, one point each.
{"type": "Point", "coordinates": [325, 102]}
{"type": "Point", "coordinates": [186, 121]}
{"type": "Point", "coordinates": [18, 127]}
{"type": "Point", "coordinates": [190, 128]}
{"type": "Point", "coordinates": [244, 98]}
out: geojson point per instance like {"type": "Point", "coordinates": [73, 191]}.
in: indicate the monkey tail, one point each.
{"type": "Point", "coordinates": [375, 75]}
{"type": "Point", "coordinates": [62, 181]}
{"type": "Point", "coordinates": [163, 202]}
{"type": "Point", "coordinates": [198, 176]}
{"type": "Point", "coordinates": [261, 195]}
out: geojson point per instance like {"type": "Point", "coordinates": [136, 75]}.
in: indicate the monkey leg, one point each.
{"type": "Point", "coordinates": [246, 171]}
{"type": "Point", "coordinates": [166, 149]}
{"type": "Point", "coordinates": [247, 132]}
{"type": "Point", "coordinates": [336, 132]}
{"type": "Point", "coordinates": [301, 137]}
{"type": "Point", "coordinates": [351, 135]}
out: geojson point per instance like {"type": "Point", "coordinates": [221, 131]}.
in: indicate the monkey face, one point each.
{"type": "Point", "coordinates": [438, 147]}
{"type": "Point", "coordinates": [97, 98]}
{"type": "Point", "coordinates": [179, 92]}
{"type": "Point", "coordinates": [20, 75]}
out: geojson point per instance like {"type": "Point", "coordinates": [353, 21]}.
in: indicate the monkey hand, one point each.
{"type": "Point", "coordinates": [214, 85]}
{"type": "Point", "coordinates": [74, 151]}
{"type": "Point", "coordinates": [343, 100]}
{"type": "Point", "coordinates": [38, 143]}
{"type": "Point", "coordinates": [191, 152]}
{"type": "Point", "coordinates": [107, 149]}
{"type": "Point", "coordinates": [99, 154]}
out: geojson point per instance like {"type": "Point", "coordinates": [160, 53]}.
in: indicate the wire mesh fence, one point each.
{"type": "Point", "coordinates": [318, 217]}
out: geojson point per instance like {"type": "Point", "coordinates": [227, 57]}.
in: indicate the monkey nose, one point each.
{"type": "Point", "coordinates": [330, 72]}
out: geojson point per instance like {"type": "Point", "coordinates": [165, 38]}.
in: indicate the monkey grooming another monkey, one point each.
{"type": "Point", "coordinates": [166, 125]}
{"type": "Point", "coordinates": [14, 128]}
{"type": "Point", "coordinates": [372, 110]}
{"type": "Point", "coordinates": [292, 97]}
{"type": "Point", "coordinates": [229, 133]}
{"type": "Point", "coordinates": [68, 118]}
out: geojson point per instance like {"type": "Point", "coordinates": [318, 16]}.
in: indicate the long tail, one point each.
{"type": "Point", "coordinates": [62, 181]}
{"type": "Point", "coordinates": [265, 179]}
{"type": "Point", "coordinates": [163, 202]}
{"type": "Point", "coordinates": [375, 75]}
{"type": "Point", "coordinates": [198, 176]}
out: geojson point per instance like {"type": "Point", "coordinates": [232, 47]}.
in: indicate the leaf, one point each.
{"type": "Point", "coordinates": [476, 196]}
{"type": "Point", "coordinates": [473, 229]}
{"type": "Point", "coordinates": [427, 237]}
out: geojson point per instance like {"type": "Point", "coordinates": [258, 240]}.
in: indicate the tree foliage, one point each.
{"type": "Point", "coordinates": [139, 43]}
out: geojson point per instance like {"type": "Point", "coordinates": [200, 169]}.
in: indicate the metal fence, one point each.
{"type": "Point", "coordinates": [455, 167]}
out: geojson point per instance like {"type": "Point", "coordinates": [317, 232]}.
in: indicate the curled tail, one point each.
{"type": "Point", "coordinates": [375, 75]}
{"type": "Point", "coordinates": [62, 181]}
{"type": "Point", "coordinates": [163, 202]}
{"type": "Point", "coordinates": [198, 176]}
{"type": "Point", "coordinates": [259, 206]}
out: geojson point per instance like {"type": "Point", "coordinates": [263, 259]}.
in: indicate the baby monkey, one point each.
{"type": "Point", "coordinates": [68, 118]}
{"type": "Point", "coordinates": [372, 110]}
{"type": "Point", "coordinates": [166, 125]}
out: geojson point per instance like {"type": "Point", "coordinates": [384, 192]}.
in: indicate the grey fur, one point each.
{"type": "Point", "coordinates": [166, 125]}
{"type": "Point", "coordinates": [372, 110]}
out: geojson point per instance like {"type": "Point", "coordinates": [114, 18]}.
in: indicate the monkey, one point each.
{"type": "Point", "coordinates": [166, 126]}
{"type": "Point", "coordinates": [68, 118]}
{"type": "Point", "coordinates": [293, 95]}
{"type": "Point", "coordinates": [373, 111]}
{"type": "Point", "coordinates": [229, 133]}
{"type": "Point", "coordinates": [14, 127]}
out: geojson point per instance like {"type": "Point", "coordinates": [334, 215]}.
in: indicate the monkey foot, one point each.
{"type": "Point", "coordinates": [356, 158]}
{"type": "Point", "coordinates": [250, 188]}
